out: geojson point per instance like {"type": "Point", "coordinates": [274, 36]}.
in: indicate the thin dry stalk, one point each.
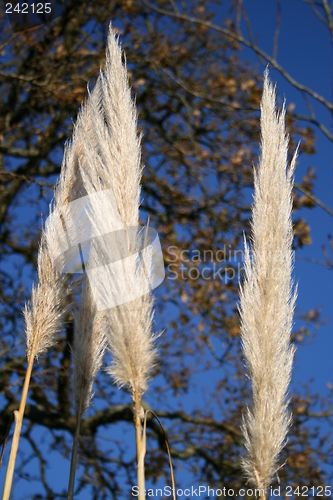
{"type": "Point", "coordinates": [18, 418]}
{"type": "Point", "coordinates": [267, 299]}
{"type": "Point", "coordinates": [75, 449]}
{"type": "Point", "coordinates": [140, 448]}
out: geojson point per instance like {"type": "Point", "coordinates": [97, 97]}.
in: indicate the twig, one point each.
{"type": "Point", "coordinates": [314, 198]}
{"type": "Point", "coordinates": [277, 30]}
{"type": "Point", "coordinates": [167, 445]}
{"type": "Point", "coordinates": [6, 437]}
{"type": "Point", "coordinates": [318, 124]}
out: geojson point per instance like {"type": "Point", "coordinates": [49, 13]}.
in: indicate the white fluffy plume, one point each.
{"type": "Point", "coordinates": [89, 332]}
{"type": "Point", "coordinates": [44, 314]}
{"type": "Point", "coordinates": [267, 299]}
{"type": "Point", "coordinates": [112, 159]}
{"type": "Point", "coordinates": [89, 345]}
{"type": "Point", "coordinates": [89, 338]}
{"type": "Point", "coordinates": [112, 154]}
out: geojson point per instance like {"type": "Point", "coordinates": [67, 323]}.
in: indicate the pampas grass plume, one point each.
{"type": "Point", "coordinates": [112, 160]}
{"type": "Point", "coordinates": [89, 346]}
{"type": "Point", "coordinates": [267, 299]}
{"type": "Point", "coordinates": [116, 163]}
{"type": "Point", "coordinates": [44, 314]}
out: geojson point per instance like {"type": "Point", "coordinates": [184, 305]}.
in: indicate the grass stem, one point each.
{"type": "Point", "coordinates": [18, 417]}
{"type": "Point", "coordinates": [75, 449]}
{"type": "Point", "coordinates": [139, 454]}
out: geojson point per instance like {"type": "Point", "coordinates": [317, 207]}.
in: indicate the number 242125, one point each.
{"type": "Point", "coordinates": [34, 8]}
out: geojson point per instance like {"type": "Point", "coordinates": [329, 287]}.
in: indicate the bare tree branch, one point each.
{"type": "Point", "coordinates": [246, 43]}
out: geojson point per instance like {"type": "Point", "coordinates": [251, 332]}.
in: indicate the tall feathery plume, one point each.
{"type": "Point", "coordinates": [267, 299]}
{"type": "Point", "coordinates": [43, 320]}
{"type": "Point", "coordinates": [112, 161]}
{"type": "Point", "coordinates": [44, 315]}
{"type": "Point", "coordinates": [89, 337]}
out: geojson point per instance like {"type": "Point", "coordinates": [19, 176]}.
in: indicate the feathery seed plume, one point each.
{"type": "Point", "coordinates": [43, 316]}
{"type": "Point", "coordinates": [118, 261]}
{"type": "Point", "coordinates": [43, 320]}
{"type": "Point", "coordinates": [89, 338]}
{"type": "Point", "coordinates": [89, 346]}
{"type": "Point", "coordinates": [116, 163]}
{"type": "Point", "coordinates": [112, 164]}
{"type": "Point", "coordinates": [267, 299]}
